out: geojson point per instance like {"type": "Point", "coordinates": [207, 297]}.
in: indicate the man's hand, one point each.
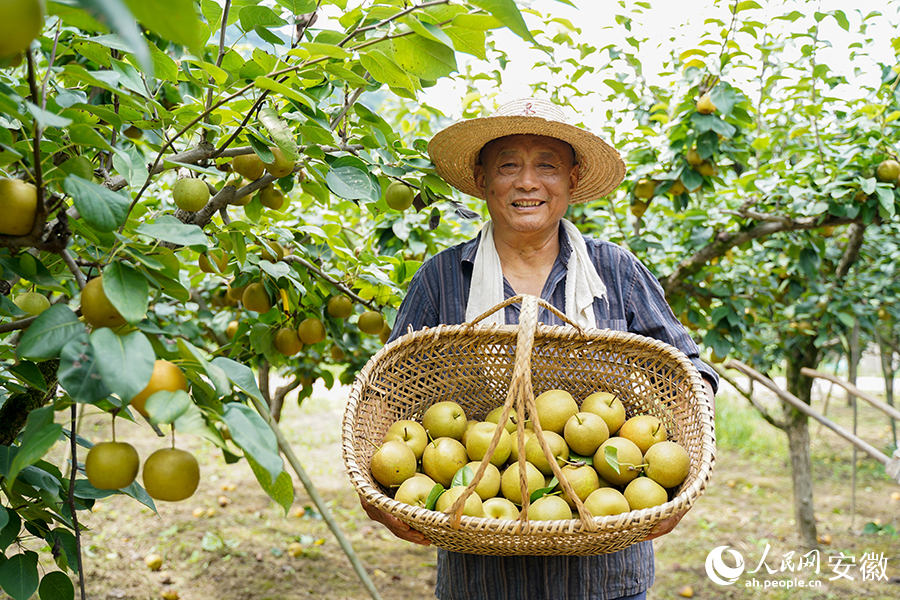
{"type": "Point", "coordinates": [394, 525]}
{"type": "Point", "coordinates": [664, 526]}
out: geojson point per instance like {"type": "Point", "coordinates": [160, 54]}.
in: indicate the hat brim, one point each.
{"type": "Point", "coordinates": [454, 152]}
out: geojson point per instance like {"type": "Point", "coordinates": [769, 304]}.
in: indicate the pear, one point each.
{"type": "Point", "coordinates": [644, 431]}
{"type": "Point", "coordinates": [415, 490]}
{"type": "Point", "coordinates": [411, 433]}
{"type": "Point", "coordinates": [583, 479]}
{"type": "Point", "coordinates": [535, 454]}
{"type": "Point", "coordinates": [606, 501]}
{"type": "Point", "coordinates": [445, 419]}
{"type": "Point", "coordinates": [442, 458]}
{"type": "Point", "coordinates": [668, 464]}
{"type": "Point", "coordinates": [628, 460]}
{"type": "Point", "coordinates": [549, 508]}
{"type": "Point", "coordinates": [393, 463]}
{"type": "Point", "coordinates": [494, 417]}
{"type": "Point", "coordinates": [249, 166]}
{"type": "Point", "coordinates": [584, 432]}
{"type": "Point", "coordinates": [281, 166]}
{"type": "Point", "coordinates": [489, 485]}
{"type": "Point", "coordinates": [509, 482]}
{"type": "Point", "coordinates": [514, 452]}
{"type": "Point", "coordinates": [643, 492]}
{"type": "Point", "coordinates": [608, 406]}
{"type": "Point", "coordinates": [554, 407]}
{"type": "Point", "coordinates": [256, 298]}
{"type": "Point", "coordinates": [500, 508]}
{"type": "Point", "coordinates": [478, 440]}
{"type": "Point", "coordinates": [472, 508]}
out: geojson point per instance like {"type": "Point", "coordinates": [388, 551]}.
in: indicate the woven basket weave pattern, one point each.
{"type": "Point", "coordinates": [473, 366]}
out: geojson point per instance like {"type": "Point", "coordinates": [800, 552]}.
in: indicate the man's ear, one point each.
{"type": "Point", "coordinates": [478, 175]}
{"type": "Point", "coordinates": [574, 176]}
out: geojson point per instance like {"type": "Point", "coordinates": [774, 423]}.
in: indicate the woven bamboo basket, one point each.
{"type": "Point", "coordinates": [484, 366]}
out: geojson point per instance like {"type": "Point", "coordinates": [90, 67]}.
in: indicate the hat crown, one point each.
{"type": "Point", "coordinates": [532, 107]}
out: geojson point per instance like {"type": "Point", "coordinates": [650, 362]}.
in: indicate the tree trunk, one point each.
{"type": "Point", "coordinates": [853, 361]}
{"type": "Point", "coordinates": [804, 354]}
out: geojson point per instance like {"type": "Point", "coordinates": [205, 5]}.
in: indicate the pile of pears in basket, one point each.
{"type": "Point", "coordinates": [613, 464]}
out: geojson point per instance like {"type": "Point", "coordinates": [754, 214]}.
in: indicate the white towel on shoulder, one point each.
{"type": "Point", "coordinates": [583, 283]}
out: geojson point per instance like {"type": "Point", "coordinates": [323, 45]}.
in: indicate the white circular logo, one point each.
{"type": "Point", "coordinates": [718, 571]}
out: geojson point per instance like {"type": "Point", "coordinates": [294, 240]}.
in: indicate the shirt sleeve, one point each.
{"type": "Point", "coordinates": [649, 314]}
{"type": "Point", "coordinates": [418, 309]}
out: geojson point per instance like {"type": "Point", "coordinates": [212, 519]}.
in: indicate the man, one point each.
{"type": "Point", "coordinates": [528, 165]}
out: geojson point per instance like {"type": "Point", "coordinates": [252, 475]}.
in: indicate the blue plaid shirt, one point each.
{"type": "Point", "coordinates": [635, 302]}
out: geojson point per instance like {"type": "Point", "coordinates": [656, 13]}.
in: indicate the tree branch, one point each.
{"type": "Point", "coordinates": [748, 394]}
{"type": "Point", "coordinates": [322, 275]}
{"type": "Point", "coordinates": [851, 252]}
{"type": "Point", "coordinates": [723, 241]}
{"type": "Point", "coordinates": [70, 262]}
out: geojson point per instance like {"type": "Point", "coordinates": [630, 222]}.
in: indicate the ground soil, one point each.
{"type": "Point", "coordinates": [230, 541]}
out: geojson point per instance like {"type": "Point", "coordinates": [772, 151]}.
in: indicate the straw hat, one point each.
{"type": "Point", "coordinates": [454, 150]}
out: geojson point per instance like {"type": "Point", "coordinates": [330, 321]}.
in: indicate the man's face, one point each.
{"type": "Point", "coordinates": [527, 181]}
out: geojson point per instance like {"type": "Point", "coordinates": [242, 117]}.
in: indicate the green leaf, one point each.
{"type": "Point", "coordinates": [469, 41]}
{"type": "Point", "coordinates": [281, 490]}
{"type": "Point", "coordinates": [215, 374]}
{"type": "Point", "coordinates": [240, 375]}
{"type": "Point", "coordinates": [329, 50]}
{"type": "Point", "coordinates": [84, 490]}
{"type": "Point", "coordinates": [298, 7]}
{"type": "Point", "coordinates": [433, 495]}
{"type": "Point", "coordinates": [463, 476]}
{"type": "Point", "coordinates": [254, 436]}
{"type": "Point", "coordinates": [47, 335]}
{"type": "Point", "coordinates": [270, 84]}
{"type": "Point", "coordinates": [352, 183]}
{"type": "Point", "coordinates": [28, 373]}
{"type": "Point", "coordinates": [63, 539]}
{"type": "Point", "coordinates": [45, 118]}
{"type": "Point", "coordinates": [705, 123]}
{"type": "Point", "coordinates": [130, 164]}
{"type": "Point", "coordinates": [117, 16]}
{"type": "Point", "coordinates": [169, 229]}
{"type": "Point", "coordinates": [10, 531]}
{"type": "Point", "coordinates": [85, 135]}
{"type": "Point", "coordinates": [385, 69]}
{"type": "Point", "coordinates": [100, 207]}
{"type": "Point", "coordinates": [165, 406]}
{"type": "Point", "coordinates": [19, 575]}
{"type": "Point", "coordinates": [40, 434]}
{"type": "Point", "coordinates": [127, 289]}
{"type": "Point", "coordinates": [508, 13]}
{"type": "Point", "coordinates": [174, 20]}
{"type": "Point", "coordinates": [56, 585]}
{"type": "Point", "coordinates": [424, 58]}
{"type": "Point", "coordinates": [280, 132]}
{"type": "Point", "coordinates": [125, 362]}
{"type": "Point", "coordinates": [262, 16]}
{"type": "Point", "coordinates": [4, 519]}
{"type": "Point", "coordinates": [611, 453]}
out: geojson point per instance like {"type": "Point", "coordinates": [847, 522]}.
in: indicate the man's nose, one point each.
{"type": "Point", "coordinates": [528, 179]}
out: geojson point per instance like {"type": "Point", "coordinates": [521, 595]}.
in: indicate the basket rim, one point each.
{"type": "Point", "coordinates": [647, 517]}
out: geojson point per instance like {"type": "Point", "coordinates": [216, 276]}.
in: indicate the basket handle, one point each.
{"type": "Point", "coordinates": [521, 298]}
{"type": "Point", "coordinates": [521, 395]}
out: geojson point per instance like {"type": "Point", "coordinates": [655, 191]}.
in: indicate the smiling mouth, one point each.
{"type": "Point", "coordinates": [527, 203]}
